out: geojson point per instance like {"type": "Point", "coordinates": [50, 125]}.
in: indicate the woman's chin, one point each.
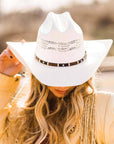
{"type": "Point", "coordinates": [59, 95]}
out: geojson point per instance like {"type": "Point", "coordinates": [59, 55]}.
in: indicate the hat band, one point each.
{"type": "Point", "coordinates": [59, 46]}
{"type": "Point", "coordinates": [63, 64]}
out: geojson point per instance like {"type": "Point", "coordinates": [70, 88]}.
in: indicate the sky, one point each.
{"type": "Point", "coordinates": [17, 5]}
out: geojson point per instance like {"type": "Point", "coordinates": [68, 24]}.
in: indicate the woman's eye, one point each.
{"type": "Point", "coordinates": [11, 57]}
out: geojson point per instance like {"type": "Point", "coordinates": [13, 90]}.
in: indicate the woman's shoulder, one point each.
{"type": "Point", "coordinates": [104, 101]}
{"type": "Point", "coordinates": [23, 90]}
{"type": "Point", "coordinates": [104, 96]}
{"type": "Point", "coordinates": [105, 116]}
{"type": "Point", "coordinates": [102, 92]}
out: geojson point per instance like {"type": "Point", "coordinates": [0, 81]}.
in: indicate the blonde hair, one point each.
{"type": "Point", "coordinates": [43, 118]}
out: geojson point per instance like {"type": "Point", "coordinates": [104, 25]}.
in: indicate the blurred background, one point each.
{"type": "Point", "coordinates": [20, 19]}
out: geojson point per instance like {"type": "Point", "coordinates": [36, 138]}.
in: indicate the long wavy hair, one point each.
{"type": "Point", "coordinates": [43, 119]}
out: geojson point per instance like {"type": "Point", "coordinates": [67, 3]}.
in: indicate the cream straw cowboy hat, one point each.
{"type": "Point", "coordinates": [60, 56]}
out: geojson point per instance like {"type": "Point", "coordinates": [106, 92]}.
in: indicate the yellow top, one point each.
{"type": "Point", "coordinates": [8, 87]}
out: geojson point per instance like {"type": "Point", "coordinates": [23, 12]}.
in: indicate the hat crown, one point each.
{"type": "Point", "coordinates": [59, 22]}
{"type": "Point", "coordinates": [60, 39]}
{"type": "Point", "coordinates": [59, 25]}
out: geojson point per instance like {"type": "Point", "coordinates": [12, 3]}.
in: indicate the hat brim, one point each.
{"type": "Point", "coordinates": [62, 76]}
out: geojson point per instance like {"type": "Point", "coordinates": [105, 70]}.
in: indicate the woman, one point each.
{"type": "Point", "coordinates": [57, 104]}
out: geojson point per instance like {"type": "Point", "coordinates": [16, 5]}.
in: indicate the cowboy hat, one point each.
{"type": "Point", "coordinates": [60, 56]}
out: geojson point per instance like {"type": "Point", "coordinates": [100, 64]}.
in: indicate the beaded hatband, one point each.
{"type": "Point", "coordinates": [63, 64]}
